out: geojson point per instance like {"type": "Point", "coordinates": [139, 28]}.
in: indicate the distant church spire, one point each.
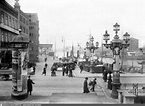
{"type": "Point", "coordinates": [17, 5]}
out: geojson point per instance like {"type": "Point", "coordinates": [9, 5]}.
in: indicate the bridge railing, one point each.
{"type": "Point", "coordinates": [135, 88]}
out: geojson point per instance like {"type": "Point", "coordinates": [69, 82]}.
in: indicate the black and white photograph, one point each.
{"type": "Point", "coordinates": [72, 52]}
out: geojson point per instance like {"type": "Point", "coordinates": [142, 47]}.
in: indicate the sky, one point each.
{"type": "Point", "coordinates": [75, 20]}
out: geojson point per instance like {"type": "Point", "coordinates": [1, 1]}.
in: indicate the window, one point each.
{"type": "Point", "coordinates": [2, 17]}
{"type": "Point", "coordinates": [6, 36]}
{"type": "Point", "coordinates": [20, 18]}
{"type": "Point", "coordinates": [26, 22]}
{"type": "Point", "coordinates": [9, 37]}
{"type": "Point", "coordinates": [2, 36]}
{"type": "Point", "coordinates": [16, 23]}
{"type": "Point", "coordinates": [10, 21]}
{"type": "Point", "coordinates": [24, 30]}
{"type": "Point", "coordinates": [23, 19]}
{"type": "Point", "coordinates": [6, 19]}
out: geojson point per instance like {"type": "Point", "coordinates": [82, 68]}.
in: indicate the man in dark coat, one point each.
{"type": "Point", "coordinates": [109, 82]}
{"type": "Point", "coordinates": [29, 85]}
{"type": "Point", "coordinates": [70, 72]}
{"type": "Point", "coordinates": [66, 69]}
{"type": "Point", "coordinates": [105, 75]}
{"type": "Point", "coordinates": [93, 85]}
{"type": "Point", "coordinates": [85, 87]}
{"type": "Point", "coordinates": [63, 70]}
{"type": "Point", "coordinates": [45, 65]}
{"type": "Point", "coordinates": [44, 71]}
{"type": "Point", "coordinates": [45, 59]}
{"type": "Point", "coordinates": [81, 68]}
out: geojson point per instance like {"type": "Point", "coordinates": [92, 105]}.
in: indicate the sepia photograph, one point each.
{"type": "Point", "coordinates": [72, 52]}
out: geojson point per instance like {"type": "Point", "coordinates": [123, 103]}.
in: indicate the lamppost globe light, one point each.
{"type": "Point", "coordinates": [106, 37]}
{"type": "Point", "coordinates": [116, 28]}
{"type": "Point", "coordinates": [92, 39]}
{"type": "Point", "coordinates": [126, 37]}
{"type": "Point", "coordinates": [87, 44]}
{"type": "Point", "coordinates": [97, 44]}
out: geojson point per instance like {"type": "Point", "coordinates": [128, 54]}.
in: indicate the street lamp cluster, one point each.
{"type": "Point", "coordinates": [116, 45]}
{"type": "Point", "coordinates": [91, 47]}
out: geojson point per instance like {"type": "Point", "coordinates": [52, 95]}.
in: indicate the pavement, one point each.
{"type": "Point", "coordinates": [63, 89]}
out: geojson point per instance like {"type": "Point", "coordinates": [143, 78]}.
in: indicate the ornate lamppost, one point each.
{"type": "Point", "coordinates": [116, 46]}
{"type": "Point", "coordinates": [91, 47]}
{"type": "Point", "coordinates": [19, 66]}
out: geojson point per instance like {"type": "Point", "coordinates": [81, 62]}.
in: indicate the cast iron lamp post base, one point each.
{"type": "Point", "coordinates": [19, 95]}
{"type": "Point", "coordinates": [114, 93]}
{"type": "Point", "coordinates": [115, 84]}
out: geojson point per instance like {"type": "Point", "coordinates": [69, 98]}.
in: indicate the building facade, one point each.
{"type": "Point", "coordinates": [33, 37]}
{"type": "Point", "coordinates": [134, 45]}
{"type": "Point", "coordinates": [8, 29]}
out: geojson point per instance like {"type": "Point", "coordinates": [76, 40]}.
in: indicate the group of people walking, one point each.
{"type": "Point", "coordinates": [90, 85]}
{"type": "Point", "coordinates": [67, 69]}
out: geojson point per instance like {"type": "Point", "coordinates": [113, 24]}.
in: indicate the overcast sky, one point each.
{"type": "Point", "coordinates": [75, 20]}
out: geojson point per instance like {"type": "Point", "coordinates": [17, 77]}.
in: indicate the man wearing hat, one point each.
{"type": "Point", "coordinates": [85, 87]}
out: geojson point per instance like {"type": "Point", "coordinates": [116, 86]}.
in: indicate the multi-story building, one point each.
{"type": "Point", "coordinates": [33, 37]}
{"type": "Point", "coordinates": [23, 20]}
{"type": "Point", "coordinates": [8, 29]}
{"type": "Point", "coordinates": [133, 45]}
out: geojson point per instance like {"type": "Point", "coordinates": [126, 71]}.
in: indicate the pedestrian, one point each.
{"type": "Point", "coordinates": [85, 86]}
{"type": "Point", "coordinates": [45, 65]}
{"type": "Point", "coordinates": [93, 85]}
{"type": "Point", "coordinates": [70, 71]}
{"type": "Point", "coordinates": [34, 68]}
{"type": "Point", "coordinates": [44, 71]}
{"type": "Point", "coordinates": [53, 69]}
{"type": "Point", "coordinates": [63, 70]}
{"type": "Point", "coordinates": [29, 85]}
{"type": "Point", "coordinates": [109, 82]}
{"type": "Point", "coordinates": [66, 69]}
{"type": "Point", "coordinates": [81, 67]}
{"type": "Point", "coordinates": [45, 59]}
{"type": "Point", "coordinates": [105, 75]}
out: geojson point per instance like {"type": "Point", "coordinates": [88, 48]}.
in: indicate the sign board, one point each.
{"type": "Point", "coordinates": [24, 60]}
{"type": "Point", "coordinates": [19, 85]}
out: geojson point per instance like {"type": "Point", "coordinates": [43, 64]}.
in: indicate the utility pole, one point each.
{"type": "Point", "coordinates": [63, 40]}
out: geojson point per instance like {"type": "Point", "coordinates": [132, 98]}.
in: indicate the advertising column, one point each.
{"type": "Point", "coordinates": [19, 81]}
{"type": "Point", "coordinates": [14, 71]}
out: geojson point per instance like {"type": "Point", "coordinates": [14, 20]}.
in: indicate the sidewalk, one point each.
{"type": "Point", "coordinates": [101, 84]}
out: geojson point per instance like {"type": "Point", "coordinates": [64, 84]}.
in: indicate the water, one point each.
{"type": "Point", "coordinates": [108, 60]}
{"type": "Point", "coordinates": [125, 62]}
